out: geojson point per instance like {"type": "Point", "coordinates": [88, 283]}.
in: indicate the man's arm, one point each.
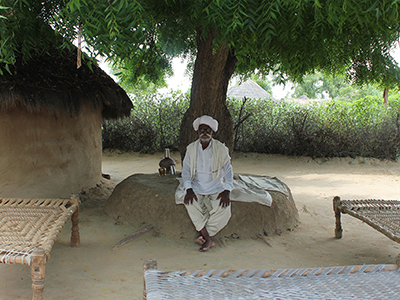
{"type": "Point", "coordinates": [187, 181]}
{"type": "Point", "coordinates": [228, 176]}
{"type": "Point", "coordinates": [186, 173]}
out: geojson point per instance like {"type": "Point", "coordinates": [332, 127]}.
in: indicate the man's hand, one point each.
{"type": "Point", "coordinates": [189, 197]}
{"type": "Point", "coordinates": [224, 196]}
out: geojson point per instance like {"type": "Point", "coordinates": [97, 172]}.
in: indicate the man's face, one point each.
{"type": "Point", "coordinates": [205, 133]}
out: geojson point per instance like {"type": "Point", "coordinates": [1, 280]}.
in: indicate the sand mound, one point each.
{"type": "Point", "coordinates": [148, 199]}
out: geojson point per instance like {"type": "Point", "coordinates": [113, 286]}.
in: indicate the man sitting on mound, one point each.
{"type": "Point", "coordinates": [208, 180]}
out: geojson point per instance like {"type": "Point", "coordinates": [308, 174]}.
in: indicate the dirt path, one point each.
{"type": "Point", "coordinates": [95, 271]}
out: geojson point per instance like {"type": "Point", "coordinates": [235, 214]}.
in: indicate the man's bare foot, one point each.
{"type": "Point", "coordinates": [200, 240]}
{"type": "Point", "coordinates": [207, 245]}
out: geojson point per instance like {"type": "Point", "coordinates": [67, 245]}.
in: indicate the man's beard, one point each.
{"type": "Point", "coordinates": [205, 137]}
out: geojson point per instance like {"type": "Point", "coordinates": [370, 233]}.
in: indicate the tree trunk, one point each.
{"type": "Point", "coordinates": [385, 97]}
{"type": "Point", "coordinates": [212, 70]}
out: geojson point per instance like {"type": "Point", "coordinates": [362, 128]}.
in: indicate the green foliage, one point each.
{"type": "Point", "coordinates": [338, 87]}
{"type": "Point", "coordinates": [328, 129]}
{"type": "Point", "coordinates": [333, 128]}
{"type": "Point", "coordinates": [295, 37]}
{"type": "Point", "coordinates": [288, 37]}
{"type": "Point", "coordinates": [129, 134]}
{"type": "Point", "coordinates": [142, 78]}
{"type": "Point", "coordinates": [25, 30]}
{"type": "Point", "coordinates": [354, 92]}
{"type": "Point", "coordinates": [153, 125]}
{"type": "Point", "coordinates": [311, 86]}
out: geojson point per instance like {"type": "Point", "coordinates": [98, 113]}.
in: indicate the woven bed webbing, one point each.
{"type": "Point", "coordinates": [383, 215]}
{"type": "Point", "coordinates": [349, 282]}
{"type": "Point", "coordinates": [27, 224]}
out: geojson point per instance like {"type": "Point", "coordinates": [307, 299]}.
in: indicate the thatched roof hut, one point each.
{"type": "Point", "coordinates": [54, 83]}
{"type": "Point", "coordinates": [250, 90]}
{"type": "Point", "coordinates": [50, 129]}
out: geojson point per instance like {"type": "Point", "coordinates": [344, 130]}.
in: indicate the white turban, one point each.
{"type": "Point", "coordinates": [205, 120]}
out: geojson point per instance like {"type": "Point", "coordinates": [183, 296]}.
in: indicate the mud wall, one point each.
{"type": "Point", "coordinates": [47, 156]}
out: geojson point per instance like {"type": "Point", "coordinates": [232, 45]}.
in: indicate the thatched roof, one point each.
{"type": "Point", "coordinates": [52, 81]}
{"type": "Point", "coordinates": [250, 90]}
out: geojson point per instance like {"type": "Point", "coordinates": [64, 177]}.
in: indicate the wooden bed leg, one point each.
{"type": "Point", "coordinates": [38, 266]}
{"type": "Point", "coordinates": [338, 225]}
{"type": "Point", "coordinates": [75, 238]}
{"type": "Point", "coordinates": [149, 264]}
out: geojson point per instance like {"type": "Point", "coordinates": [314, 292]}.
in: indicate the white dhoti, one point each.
{"type": "Point", "coordinates": [206, 212]}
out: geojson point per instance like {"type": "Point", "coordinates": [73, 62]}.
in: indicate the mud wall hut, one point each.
{"type": "Point", "coordinates": [50, 125]}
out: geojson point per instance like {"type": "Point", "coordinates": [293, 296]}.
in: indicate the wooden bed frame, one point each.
{"type": "Point", "coordinates": [382, 215]}
{"type": "Point", "coordinates": [29, 229]}
{"type": "Point", "coordinates": [344, 282]}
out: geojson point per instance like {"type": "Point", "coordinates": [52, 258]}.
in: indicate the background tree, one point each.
{"type": "Point", "coordinates": [288, 37]}
{"type": "Point", "coordinates": [338, 87]}
{"type": "Point", "coordinates": [310, 86]}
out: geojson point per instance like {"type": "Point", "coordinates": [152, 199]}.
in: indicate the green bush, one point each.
{"type": "Point", "coordinates": [325, 129]}
{"type": "Point", "coordinates": [153, 125]}
{"type": "Point", "coordinates": [334, 128]}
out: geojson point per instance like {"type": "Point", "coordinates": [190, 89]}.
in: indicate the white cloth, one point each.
{"type": "Point", "coordinates": [206, 212]}
{"type": "Point", "coordinates": [246, 188]}
{"type": "Point", "coordinates": [207, 120]}
{"type": "Point", "coordinates": [207, 171]}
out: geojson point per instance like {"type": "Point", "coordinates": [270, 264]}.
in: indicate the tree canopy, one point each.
{"type": "Point", "coordinates": [290, 37]}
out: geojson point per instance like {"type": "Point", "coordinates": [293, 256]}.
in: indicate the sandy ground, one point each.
{"type": "Point", "coordinates": [96, 271]}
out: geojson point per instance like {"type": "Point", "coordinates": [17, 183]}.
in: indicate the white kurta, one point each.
{"type": "Point", "coordinates": [203, 181]}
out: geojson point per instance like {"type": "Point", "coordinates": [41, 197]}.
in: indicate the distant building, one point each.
{"type": "Point", "coordinates": [250, 90]}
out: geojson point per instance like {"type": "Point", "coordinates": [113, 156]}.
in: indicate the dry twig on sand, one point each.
{"type": "Point", "coordinates": [133, 236]}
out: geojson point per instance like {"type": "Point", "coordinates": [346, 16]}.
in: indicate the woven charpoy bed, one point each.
{"type": "Point", "coordinates": [382, 215]}
{"type": "Point", "coordinates": [28, 231]}
{"type": "Point", "coordinates": [347, 282]}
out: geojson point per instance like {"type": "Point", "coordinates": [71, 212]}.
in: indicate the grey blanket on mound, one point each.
{"type": "Point", "coordinates": [246, 188]}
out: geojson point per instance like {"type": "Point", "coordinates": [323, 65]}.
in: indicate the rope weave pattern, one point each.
{"type": "Point", "coordinates": [27, 224]}
{"type": "Point", "coordinates": [351, 282]}
{"type": "Point", "coordinates": [383, 215]}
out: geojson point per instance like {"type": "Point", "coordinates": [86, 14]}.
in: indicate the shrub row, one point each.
{"type": "Point", "coordinates": [152, 126]}
{"type": "Point", "coordinates": [328, 129]}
